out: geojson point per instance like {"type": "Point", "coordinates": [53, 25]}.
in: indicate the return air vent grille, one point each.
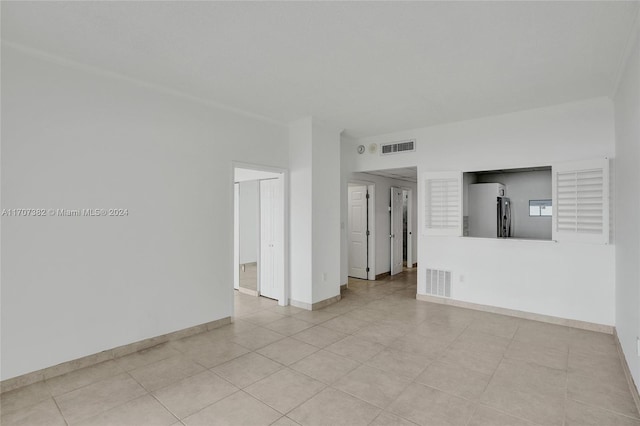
{"type": "Point", "coordinates": [397, 147]}
{"type": "Point", "coordinates": [439, 282]}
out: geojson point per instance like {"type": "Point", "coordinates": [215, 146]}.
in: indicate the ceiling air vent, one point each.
{"type": "Point", "coordinates": [397, 147]}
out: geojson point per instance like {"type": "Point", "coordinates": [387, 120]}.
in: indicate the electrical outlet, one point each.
{"type": "Point", "coordinates": [324, 276]}
{"type": "Point", "coordinates": [461, 278]}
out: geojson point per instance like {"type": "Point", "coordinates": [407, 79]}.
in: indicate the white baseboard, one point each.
{"type": "Point", "coordinates": [247, 291]}
{"type": "Point", "coordinates": [89, 360]}
{"type": "Point", "coordinates": [584, 325]}
{"type": "Point", "coordinates": [318, 305]}
{"type": "Point", "coordinates": [627, 372]}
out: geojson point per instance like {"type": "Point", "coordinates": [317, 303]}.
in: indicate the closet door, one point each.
{"type": "Point", "coordinates": [271, 231]}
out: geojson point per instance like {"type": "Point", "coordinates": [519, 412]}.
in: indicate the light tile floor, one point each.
{"type": "Point", "coordinates": [376, 357]}
{"type": "Point", "coordinates": [248, 276]}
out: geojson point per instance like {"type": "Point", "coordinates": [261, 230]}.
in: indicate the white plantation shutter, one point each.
{"type": "Point", "coordinates": [442, 203]}
{"type": "Point", "coordinates": [581, 201]}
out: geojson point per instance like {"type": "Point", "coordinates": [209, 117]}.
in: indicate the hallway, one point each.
{"type": "Point", "coordinates": [376, 357]}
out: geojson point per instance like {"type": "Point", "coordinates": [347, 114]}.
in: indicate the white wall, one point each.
{"type": "Point", "coordinates": [383, 223]}
{"type": "Point", "coordinates": [573, 281]}
{"type": "Point", "coordinates": [249, 219]}
{"type": "Point", "coordinates": [300, 207]}
{"type": "Point", "coordinates": [326, 212]}
{"type": "Point", "coordinates": [627, 208]}
{"type": "Point", "coordinates": [314, 161]}
{"type": "Point", "coordinates": [346, 144]}
{"type": "Point", "coordinates": [75, 138]}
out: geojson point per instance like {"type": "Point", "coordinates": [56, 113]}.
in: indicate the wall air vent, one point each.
{"type": "Point", "coordinates": [439, 282]}
{"type": "Point", "coordinates": [398, 147]}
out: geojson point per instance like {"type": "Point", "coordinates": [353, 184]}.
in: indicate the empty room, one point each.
{"type": "Point", "coordinates": [320, 213]}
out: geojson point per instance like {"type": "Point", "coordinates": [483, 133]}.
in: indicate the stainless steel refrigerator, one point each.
{"type": "Point", "coordinates": [489, 211]}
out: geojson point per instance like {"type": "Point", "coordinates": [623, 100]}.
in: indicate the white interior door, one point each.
{"type": "Point", "coordinates": [271, 230]}
{"type": "Point", "coordinates": [396, 230]}
{"type": "Point", "coordinates": [358, 231]}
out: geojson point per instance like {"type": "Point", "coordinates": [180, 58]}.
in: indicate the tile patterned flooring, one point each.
{"type": "Point", "coordinates": [377, 357]}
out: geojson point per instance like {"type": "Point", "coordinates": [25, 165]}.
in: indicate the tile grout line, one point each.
{"type": "Point", "coordinates": [513, 339]}
{"type": "Point", "coordinates": [370, 403]}
{"type": "Point", "coordinates": [501, 411]}
{"type": "Point", "coordinates": [103, 379]}
{"type": "Point", "coordinates": [209, 405]}
{"type": "Point", "coordinates": [165, 407]}
{"type": "Point", "coordinates": [45, 382]}
{"type": "Point", "coordinates": [479, 403]}
{"type": "Point", "coordinates": [115, 406]}
{"type": "Point", "coordinates": [60, 411]}
{"type": "Point", "coordinates": [222, 378]}
{"type": "Point", "coordinates": [176, 381]}
{"type": "Point", "coordinates": [475, 410]}
{"type": "Point", "coordinates": [325, 386]}
{"type": "Point", "coordinates": [591, 404]}
{"type": "Point", "coordinates": [617, 413]}
{"type": "Point", "coordinates": [497, 367]}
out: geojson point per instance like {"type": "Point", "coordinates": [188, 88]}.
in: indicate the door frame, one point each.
{"type": "Point", "coordinates": [283, 293]}
{"type": "Point", "coordinates": [350, 216]}
{"type": "Point", "coordinates": [371, 223]}
{"type": "Point", "coordinates": [236, 235]}
{"type": "Point", "coordinates": [410, 254]}
{"type": "Point", "coordinates": [392, 240]}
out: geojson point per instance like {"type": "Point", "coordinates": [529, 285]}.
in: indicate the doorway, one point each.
{"type": "Point", "coordinates": [401, 230]}
{"type": "Point", "coordinates": [260, 232]}
{"type": "Point", "coordinates": [396, 246]}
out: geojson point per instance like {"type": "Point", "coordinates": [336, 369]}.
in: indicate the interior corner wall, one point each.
{"type": "Point", "coordinates": [75, 138]}
{"type": "Point", "coordinates": [314, 162]}
{"type": "Point", "coordinates": [326, 212]}
{"type": "Point", "coordinates": [627, 208]}
{"type": "Point", "coordinates": [566, 280]}
{"type": "Point", "coordinates": [301, 210]}
{"type": "Point", "coordinates": [345, 143]}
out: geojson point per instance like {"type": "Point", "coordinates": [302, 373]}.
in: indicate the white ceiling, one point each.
{"type": "Point", "coordinates": [407, 174]}
{"type": "Point", "coordinates": [367, 67]}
